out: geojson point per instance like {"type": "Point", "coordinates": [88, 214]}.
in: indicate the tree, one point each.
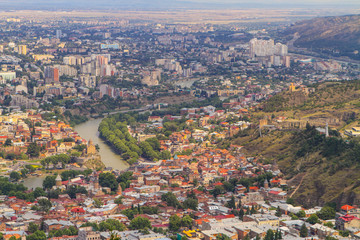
{"type": "Point", "coordinates": [326, 213]}
{"type": "Point", "coordinates": [73, 190]}
{"type": "Point", "coordinates": [111, 225]}
{"type": "Point", "coordinates": [33, 227]}
{"type": "Point", "coordinates": [8, 142]}
{"type": "Point", "coordinates": [293, 216]}
{"type": "Point", "coordinates": [174, 223]}
{"type": "Point", "coordinates": [303, 231]}
{"type": "Point", "coordinates": [118, 200]}
{"type": "Point", "coordinates": [170, 199]}
{"type": "Point", "coordinates": [186, 221]}
{"type": "Point", "coordinates": [278, 212]}
{"type": "Point", "coordinates": [30, 168]}
{"type": "Point", "coordinates": [345, 233]}
{"type": "Point", "coordinates": [24, 172]}
{"type": "Point", "coordinates": [165, 155]}
{"type": "Point", "coordinates": [140, 223]}
{"type": "Point", "coordinates": [98, 203]}
{"type": "Point", "coordinates": [222, 237]}
{"type": "Point", "coordinates": [108, 180]}
{"type": "Point", "coordinates": [15, 176]}
{"type": "Point", "coordinates": [329, 224]}
{"type": "Point", "coordinates": [38, 235]}
{"type": "Point", "coordinates": [217, 191]}
{"type": "Point", "coordinates": [301, 214]}
{"type": "Point", "coordinates": [114, 236]}
{"type": "Point", "coordinates": [49, 182]}
{"type": "Point", "coordinates": [184, 238]}
{"type": "Point", "coordinates": [313, 219]}
{"type": "Point", "coordinates": [124, 180]}
{"type": "Point", "coordinates": [241, 213]}
{"type": "Point", "coordinates": [39, 192]}
{"type": "Point", "coordinates": [33, 150]}
{"type": "Point", "coordinates": [269, 235]}
{"type": "Point", "coordinates": [44, 204]}
{"type": "Point", "coordinates": [330, 238]}
{"type": "Point", "coordinates": [231, 203]}
{"type": "Point", "coordinates": [191, 203]}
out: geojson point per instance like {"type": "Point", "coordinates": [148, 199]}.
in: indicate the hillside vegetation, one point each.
{"type": "Point", "coordinates": [339, 35]}
{"type": "Point", "coordinates": [337, 103]}
{"type": "Point", "coordinates": [327, 168]}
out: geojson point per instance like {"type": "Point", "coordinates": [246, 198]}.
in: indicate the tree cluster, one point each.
{"type": "Point", "coordinates": [133, 211]}
{"type": "Point", "coordinates": [117, 134]}
{"type": "Point", "coordinates": [56, 159]}
{"type": "Point", "coordinates": [107, 225]}
{"type": "Point", "coordinates": [175, 222]}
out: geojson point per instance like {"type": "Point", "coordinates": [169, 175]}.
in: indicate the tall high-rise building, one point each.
{"type": "Point", "coordinates": [22, 49]}
{"type": "Point", "coordinates": [58, 34]}
{"type": "Point", "coordinates": [287, 61]}
{"type": "Point", "coordinates": [261, 48]}
{"type": "Point", "coordinates": [265, 48]}
{"type": "Point", "coordinates": [51, 74]}
{"type": "Point", "coordinates": [280, 49]}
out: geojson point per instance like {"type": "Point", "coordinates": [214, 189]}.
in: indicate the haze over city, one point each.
{"type": "Point", "coordinates": [172, 4]}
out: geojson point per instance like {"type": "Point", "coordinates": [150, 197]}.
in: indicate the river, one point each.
{"type": "Point", "coordinates": [89, 130]}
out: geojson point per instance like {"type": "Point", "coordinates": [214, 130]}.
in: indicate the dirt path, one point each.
{"type": "Point", "coordinates": [297, 188]}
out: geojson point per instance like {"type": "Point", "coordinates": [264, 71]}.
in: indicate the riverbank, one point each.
{"type": "Point", "coordinates": [89, 130]}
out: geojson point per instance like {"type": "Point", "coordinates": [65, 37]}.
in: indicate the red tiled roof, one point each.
{"type": "Point", "coordinates": [346, 207]}
{"type": "Point", "coordinates": [274, 192]}
{"type": "Point", "coordinates": [78, 210]}
{"type": "Point", "coordinates": [348, 218]}
{"type": "Point", "coordinates": [218, 184]}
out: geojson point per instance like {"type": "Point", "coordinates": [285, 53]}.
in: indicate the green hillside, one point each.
{"type": "Point", "coordinates": [320, 169]}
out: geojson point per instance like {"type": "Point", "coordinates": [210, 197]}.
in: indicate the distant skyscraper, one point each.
{"type": "Point", "coordinates": [58, 34]}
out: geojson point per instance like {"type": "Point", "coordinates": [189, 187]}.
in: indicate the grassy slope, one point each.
{"type": "Point", "coordinates": [320, 184]}
{"type": "Point", "coordinates": [332, 101]}
{"type": "Point", "coordinates": [325, 178]}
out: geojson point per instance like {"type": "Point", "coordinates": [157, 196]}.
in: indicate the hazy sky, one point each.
{"type": "Point", "coordinates": [163, 4]}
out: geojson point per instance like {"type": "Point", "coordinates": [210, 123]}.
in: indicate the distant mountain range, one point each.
{"type": "Point", "coordinates": [337, 36]}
